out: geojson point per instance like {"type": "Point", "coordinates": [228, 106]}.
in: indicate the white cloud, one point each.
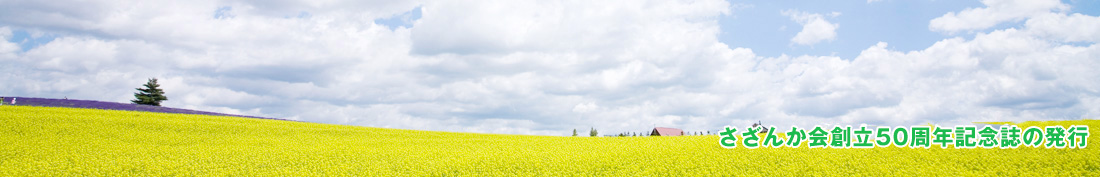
{"type": "Point", "coordinates": [585, 107]}
{"type": "Point", "coordinates": [7, 49]}
{"type": "Point", "coordinates": [537, 26]}
{"type": "Point", "coordinates": [534, 67]}
{"type": "Point", "coordinates": [814, 27]}
{"type": "Point", "coordinates": [995, 12]}
{"type": "Point", "coordinates": [1067, 28]}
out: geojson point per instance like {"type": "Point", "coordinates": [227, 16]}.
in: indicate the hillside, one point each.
{"type": "Point", "coordinates": [52, 141]}
{"type": "Point", "coordinates": [91, 104]}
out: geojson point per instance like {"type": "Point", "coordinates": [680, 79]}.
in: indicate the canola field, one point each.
{"type": "Point", "coordinates": [47, 141]}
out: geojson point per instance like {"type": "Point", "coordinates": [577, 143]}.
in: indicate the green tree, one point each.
{"type": "Point", "coordinates": [150, 95]}
{"type": "Point", "coordinates": [593, 133]}
{"type": "Point", "coordinates": [574, 132]}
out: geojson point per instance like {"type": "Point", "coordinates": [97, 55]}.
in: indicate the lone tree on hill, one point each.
{"type": "Point", "coordinates": [150, 95]}
{"type": "Point", "coordinates": [574, 132]}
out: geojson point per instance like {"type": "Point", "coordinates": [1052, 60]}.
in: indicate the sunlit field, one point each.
{"type": "Point", "coordinates": [47, 141]}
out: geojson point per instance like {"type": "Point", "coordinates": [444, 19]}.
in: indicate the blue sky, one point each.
{"type": "Point", "coordinates": [547, 67]}
{"type": "Point", "coordinates": [902, 24]}
{"type": "Point", "coordinates": [758, 24]}
{"type": "Point", "coordinates": [28, 41]}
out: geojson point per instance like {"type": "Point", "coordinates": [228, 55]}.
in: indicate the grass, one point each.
{"type": "Point", "coordinates": [49, 141]}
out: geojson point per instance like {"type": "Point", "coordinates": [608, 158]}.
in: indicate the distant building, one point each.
{"type": "Point", "coordinates": [663, 131]}
{"type": "Point", "coordinates": [761, 127]}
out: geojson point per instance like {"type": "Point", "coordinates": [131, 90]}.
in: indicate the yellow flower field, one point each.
{"type": "Point", "coordinates": [44, 141]}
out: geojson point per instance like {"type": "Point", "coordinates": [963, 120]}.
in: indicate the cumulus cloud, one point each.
{"type": "Point", "coordinates": [995, 12]}
{"type": "Point", "coordinates": [1067, 28]}
{"type": "Point", "coordinates": [537, 26]}
{"type": "Point", "coordinates": [814, 27]}
{"type": "Point", "coordinates": [536, 67]}
{"type": "Point", "coordinates": [7, 49]}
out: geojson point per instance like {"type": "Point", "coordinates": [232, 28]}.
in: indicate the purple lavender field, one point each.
{"type": "Point", "coordinates": [47, 102]}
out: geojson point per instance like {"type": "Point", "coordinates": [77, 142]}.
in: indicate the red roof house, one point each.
{"type": "Point", "coordinates": [663, 131]}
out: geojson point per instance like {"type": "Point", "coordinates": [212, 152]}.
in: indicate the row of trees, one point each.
{"type": "Point", "coordinates": [593, 132]}
{"type": "Point", "coordinates": [646, 134]}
